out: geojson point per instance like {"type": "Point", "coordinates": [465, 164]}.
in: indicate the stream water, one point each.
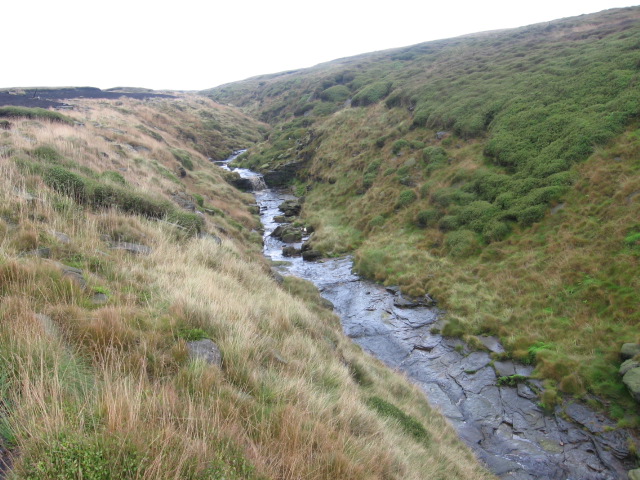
{"type": "Point", "coordinates": [502, 423]}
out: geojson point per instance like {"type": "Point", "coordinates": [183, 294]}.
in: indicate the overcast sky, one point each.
{"type": "Point", "coordinates": [193, 45]}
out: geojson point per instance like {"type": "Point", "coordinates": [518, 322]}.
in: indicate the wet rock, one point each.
{"type": "Point", "coordinates": [585, 416]}
{"type": "Point", "coordinates": [280, 219]}
{"type": "Point", "coordinates": [311, 255]}
{"type": "Point", "coordinates": [631, 380]}
{"type": "Point", "coordinates": [133, 248]}
{"type": "Point", "coordinates": [287, 233]}
{"type": "Point", "coordinates": [439, 399]}
{"type": "Point", "coordinates": [504, 368]}
{"type": "Point", "coordinates": [525, 391]}
{"type": "Point", "coordinates": [402, 302]}
{"type": "Point", "coordinates": [290, 251]}
{"type": "Point", "coordinates": [290, 208]}
{"type": "Point", "coordinates": [205, 350]}
{"type": "Point", "coordinates": [629, 350]}
{"type": "Point", "coordinates": [283, 174]}
{"type": "Point", "coordinates": [491, 343]}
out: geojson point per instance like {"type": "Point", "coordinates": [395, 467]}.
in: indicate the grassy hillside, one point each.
{"type": "Point", "coordinates": [120, 243]}
{"type": "Point", "coordinates": [498, 172]}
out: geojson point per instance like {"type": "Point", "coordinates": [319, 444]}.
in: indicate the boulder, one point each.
{"type": "Point", "coordinates": [283, 174]}
{"type": "Point", "coordinates": [629, 350]}
{"type": "Point", "coordinates": [311, 255]}
{"type": "Point", "coordinates": [62, 237]}
{"type": "Point", "coordinates": [632, 380]}
{"type": "Point", "coordinates": [290, 251]}
{"type": "Point", "coordinates": [205, 350]}
{"type": "Point", "coordinates": [74, 274]}
{"type": "Point", "coordinates": [214, 238]}
{"type": "Point", "coordinates": [628, 365]}
{"type": "Point", "coordinates": [99, 298]}
{"type": "Point", "coordinates": [634, 474]}
{"type": "Point", "coordinates": [292, 236]}
{"type": "Point", "coordinates": [287, 233]}
{"type": "Point", "coordinates": [280, 219]}
{"type": "Point", "coordinates": [290, 208]}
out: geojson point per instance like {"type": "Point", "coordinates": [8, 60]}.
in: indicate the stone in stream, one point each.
{"type": "Point", "coordinates": [311, 255]}
{"type": "Point", "coordinates": [291, 208]}
{"type": "Point", "coordinates": [290, 251]}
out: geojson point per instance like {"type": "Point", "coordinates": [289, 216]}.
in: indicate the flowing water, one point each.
{"type": "Point", "coordinates": [500, 420]}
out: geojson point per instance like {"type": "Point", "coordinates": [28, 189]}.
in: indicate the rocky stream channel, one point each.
{"type": "Point", "coordinates": [494, 405]}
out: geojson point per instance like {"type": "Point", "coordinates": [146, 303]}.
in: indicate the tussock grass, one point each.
{"type": "Point", "coordinates": [108, 390]}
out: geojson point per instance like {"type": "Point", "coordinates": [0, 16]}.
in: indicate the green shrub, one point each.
{"type": "Point", "coordinates": [368, 179]}
{"type": "Point", "coordinates": [35, 114]}
{"type": "Point", "coordinates": [191, 222]}
{"type": "Point", "coordinates": [399, 145]}
{"type": "Point", "coordinates": [69, 457]}
{"type": "Point", "coordinates": [434, 155]}
{"type": "Point", "coordinates": [47, 153]}
{"type": "Point", "coordinates": [323, 109]}
{"type": "Point", "coordinates": [406, 197]}
{"type": "Point", "coordinates": [183, 157]}
{"type": "Point", "coordinates": [199, 199]}
{"type": "Point", "coordinates": [449, 195]}
{"type": "Point", "coordinates": [337, 93]}
{"type": "Point", "coordinates": [428, 217]}
{"type": "Point", "coordinates": [63, 181]}
{"type": "Point", "coordinates": [112, 176]}
{"type": "Point", "coordinates": [371, 94]}
{"type": "Point", "coordinates": [409, 424]}
{"type": "Point", "coordinates": [462, 243]}
{"type": "Point", "coordinates": [529, 215]}
{"type": "Point", "coordinates": [495, 230]}
{"type": "Point", "coordinates": [376, 221]}
{"type": "Point", "coordinates": [477, 214]}
{"type": "Point", "coordinates": [449, 223]}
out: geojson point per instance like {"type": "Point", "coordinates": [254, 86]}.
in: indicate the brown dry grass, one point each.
{"type": "Point", "coordinates": [111, 386]}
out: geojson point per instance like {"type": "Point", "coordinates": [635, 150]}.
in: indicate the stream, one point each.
{"type": "Point", "coordinates": [501, 422]}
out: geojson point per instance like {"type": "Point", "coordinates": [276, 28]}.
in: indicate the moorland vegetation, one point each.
{"type": "Point", "coordinates": [498, 172]}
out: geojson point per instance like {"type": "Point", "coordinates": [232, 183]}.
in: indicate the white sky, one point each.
{"type": "Point", "coordinates": [198, 44]}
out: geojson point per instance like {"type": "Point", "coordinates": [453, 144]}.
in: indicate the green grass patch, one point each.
{"type": "Point", "coordinates": [409, 424]}
{"type": "Point", "coordinates": [35, 114]}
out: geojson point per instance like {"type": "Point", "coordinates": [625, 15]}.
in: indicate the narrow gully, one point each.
{"type": "Point", "coordinates": [502, 422]}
